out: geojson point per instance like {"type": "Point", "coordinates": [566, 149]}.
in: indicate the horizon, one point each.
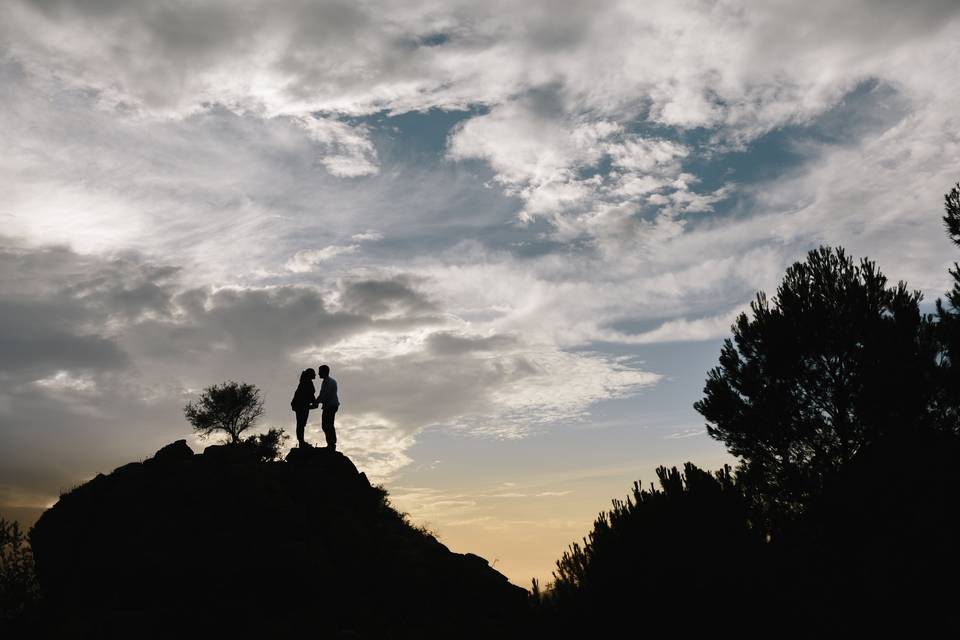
{"type": "Point", "coordinates": [517, 235]}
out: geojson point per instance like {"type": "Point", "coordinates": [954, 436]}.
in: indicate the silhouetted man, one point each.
{"type": "Point", "coordinates": [328, 398]}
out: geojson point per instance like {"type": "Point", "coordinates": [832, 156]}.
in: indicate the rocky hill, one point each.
{"type": "Point", "coordinates": [227, 545]}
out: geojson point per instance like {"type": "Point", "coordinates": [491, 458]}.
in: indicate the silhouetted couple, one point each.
{"type": "Point", "coordinates": [303, 401]}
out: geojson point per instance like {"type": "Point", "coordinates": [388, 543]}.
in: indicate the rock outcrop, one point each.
{"type": "Point", "coordinates": [227, 545]}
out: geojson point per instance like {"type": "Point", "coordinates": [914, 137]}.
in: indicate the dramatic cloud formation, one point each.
{"type": "Point", "coordinates": [498, 221]}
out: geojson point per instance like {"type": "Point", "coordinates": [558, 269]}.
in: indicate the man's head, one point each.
{"type": "Point", "coordinates": [323, 371]}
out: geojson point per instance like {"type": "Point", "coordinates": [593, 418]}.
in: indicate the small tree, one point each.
{"type": "Point", "coordinates": [836, 360]}
{"type": "Point", "coordinates": [231, 407]}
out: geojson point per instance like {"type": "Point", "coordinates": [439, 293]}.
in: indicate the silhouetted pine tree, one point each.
{"type": "Point", "coordinates": [949, 325]}
{"type": "Point", "coordinates": [835, 361]}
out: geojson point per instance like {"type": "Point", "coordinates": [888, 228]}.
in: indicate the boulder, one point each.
{"type": "Point", "coordinates": [173, 452]}
{"type": "Point", "coordinates": [233, 453]}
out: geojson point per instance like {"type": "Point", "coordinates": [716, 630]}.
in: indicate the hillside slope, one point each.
{"type": "Point", "coordinates": [223, 543]}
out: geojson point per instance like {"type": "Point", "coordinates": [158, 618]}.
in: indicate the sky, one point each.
{"type": "Point", "coordinates": [518, 232]}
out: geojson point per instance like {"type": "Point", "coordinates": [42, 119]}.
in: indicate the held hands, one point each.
{"type": "Point", "coordinates": [315, 404]}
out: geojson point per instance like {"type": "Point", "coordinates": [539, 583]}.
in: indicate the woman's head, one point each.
{"type": "Point", "coordinates": [307, 375]}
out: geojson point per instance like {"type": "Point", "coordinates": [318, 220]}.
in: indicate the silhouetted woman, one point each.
{"type": "Point", "coordinates": [303, 401]}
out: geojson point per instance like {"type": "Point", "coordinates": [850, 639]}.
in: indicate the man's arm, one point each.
{"type": "Point", "coordinates": [324, 390]}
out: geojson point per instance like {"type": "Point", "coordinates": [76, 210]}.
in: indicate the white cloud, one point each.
{"type": "Point", "coordinates": [347, 152]}
{"type": "Point", "coordinates": [682, 329]}
{"type": "Point", "coordinates": [369, 235]}
{"type": "Point", "coordinates": [377, 448]}
{"type": "Point", "coordinates": [66, 381]}
{"type": "Point", "coordinates": [744, 66]}
{"type": "Point", "coordinates": [555, 167]}
{"type": "Point", "coordinates": [308, 259]}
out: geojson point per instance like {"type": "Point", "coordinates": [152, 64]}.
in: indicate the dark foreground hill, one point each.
{"type": "Point", "coordinates": [226, 545]}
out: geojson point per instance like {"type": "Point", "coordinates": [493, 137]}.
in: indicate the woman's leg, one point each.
{"type": "Point", "coordinates": [302, 415]}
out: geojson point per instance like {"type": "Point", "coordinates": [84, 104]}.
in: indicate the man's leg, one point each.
{"type": "Point", "coordinates": [326, 421]}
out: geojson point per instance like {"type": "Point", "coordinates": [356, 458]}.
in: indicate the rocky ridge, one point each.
{"type": "Point", "coordinates": [225, 543]}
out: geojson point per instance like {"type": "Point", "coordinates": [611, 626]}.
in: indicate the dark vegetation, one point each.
{"type": "Point", "coordinates": [679, 558]}
{"type": "Point", "coordinates": [230, 407]}
{"type": "Point", "coordinates": [19, 590]}
{"type": "Point", "coordinates": [837, 360]}
{"type": "Point", "coordinates": [838, 396]}
{"type": "Point", "coordinates": [840, 399]}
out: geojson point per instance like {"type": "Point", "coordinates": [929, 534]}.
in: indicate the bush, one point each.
{"type": "Point", "coordinates": [19, 591]}
{"type": "Point", "coordinates": [688, 544]}
{"type": "Point", "coordinates": [268, 445]}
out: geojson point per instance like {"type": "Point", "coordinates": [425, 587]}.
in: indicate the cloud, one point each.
{"type": "Point", "coordinates": [456, 204]}
{"type": "Point", "coordinates": [385, 298]}
{"type": "Point", "coordinates": [555, 164]}
{"type": "Point", "coordinates": [39, 337]}
{"type": "Point", "coordinates": [369, 235]}
{"type": "Point", "coordinates": [581, 117]}
{"type": "Point", "coordinates": [61, 310]}
{"type": "Point", "coordinates": [490, 385]}
{"type": "Point", "coordinates": [69, 382]}
{"type": "Point", "coordinates": [308, 259]}
{"type": "Point", "coordinates": [686, 64]}
{"type": "Point", "coordinates": [686, 433]}
{"type": "Point", "coordinates": [347, 151]}
{"type": "Point", "coordinates": [403, 363]}
{"type": "Point", "coordinates": [379, 448]}
{"type": "Point", "coordinates": [683, 330]}
{"type": "Point", "coordinates": [444, 343]}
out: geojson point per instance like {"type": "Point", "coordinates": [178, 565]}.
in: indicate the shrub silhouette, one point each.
{"type": "Point", "coordinates": [690, 542]}
{"type": "Point", "coordinates": [261, 447]}
{"type": "Point", "coordinates": [231, 407]}
{"type": "Point", "coordinates": [19, 591]}
{"type": "Point", "coordinates": [835, 361]}
{"type": "Point", "coordinates": [269, 444]}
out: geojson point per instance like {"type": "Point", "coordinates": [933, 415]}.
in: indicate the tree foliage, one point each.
{"type": "Point", "coordinates": [951, 219]}
{"type": "Point", "coordinates": [268, 444]}
{"type": "Point", "coordinates": [836, 360]}
{"type": "Point", "coordinates": [19, 590]}
{"type": "Point", "coordinates": [841, 400]}
{"type": "Point", "coordinates": [949, 324]}
{"type": "Point", "coordinates": [231, 407]}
